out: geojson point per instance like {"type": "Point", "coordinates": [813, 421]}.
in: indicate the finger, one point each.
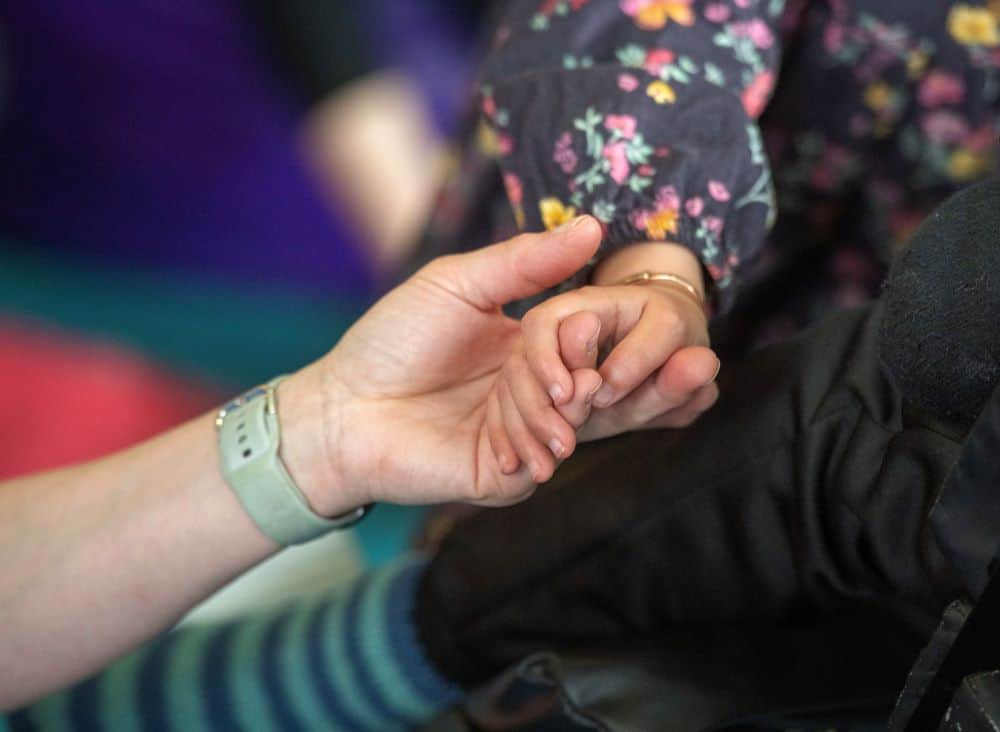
{"type": "Point", "coordinates": [670, 388]}
{"type": "Point", "coordinates": [660, 331]}
{"type": "Point", "coordinates": [699, 403]}
{"type": "Point", "coordinates": [554, 348]}
{"type": "Point", "coordinates": [586, 382]}
{"type": "Point", "coordinates": [578, 340]}
{"type": "Point", "coordinates": [537, 458]}
{"type": "Point", "coordinates": [536, 409]}
{"type": "Point", "coordinates": [541, 327]}
{"type": "Point", "coordinates": [499, 441]}
{"type": "Point", "coordinates": [525, 265]}
{"type": "Point", "coordinates": [686, 371]}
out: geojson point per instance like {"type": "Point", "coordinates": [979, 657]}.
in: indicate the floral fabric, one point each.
{"type": "Point", "coordinates": [665, 118]}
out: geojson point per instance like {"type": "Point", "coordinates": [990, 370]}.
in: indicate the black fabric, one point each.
{"type": "Point", "coordinates": [966, 517]}
{"type": "Point", "coordinates": [943, 306]}
{"type": "Point", "coordinates": [804, 493]}
{"type": "Point", "coordinates": [806, 676]}
{"type": "Point", "coordinates": [319, 45]}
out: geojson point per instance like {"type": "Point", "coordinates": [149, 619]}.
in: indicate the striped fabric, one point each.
{"type": "Point", "coordinates": [348, 663]}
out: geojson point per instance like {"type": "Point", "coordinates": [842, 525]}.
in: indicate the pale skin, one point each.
{"type": "Point", "coordinates": [658, 372]}
{"type": "Point", "coordinates": [98, 558]}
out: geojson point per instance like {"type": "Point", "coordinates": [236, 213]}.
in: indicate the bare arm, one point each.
{"type": "Point", "coordinates": [100, 557]}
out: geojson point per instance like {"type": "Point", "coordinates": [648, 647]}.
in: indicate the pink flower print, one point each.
{"type": "Point", "coordinates": [742, 4]}
{"type": "Point", "coordinates": [505, 145]}
{"type": "Point", "coordinates": [577, 4]}
{"type": "Point", "coordinates": [631, 7]}
{"type": "Point", "coordinates": [564, 156]}
{"type": "Point", "coordinates": [714, 224]}
{"type": "Point", "coordinates": [717, 12]}
{"type": "Point", "coordinates": [624, 123]}
{"type": "Point", "coordinates": [940, 88]}
{"type": "Point", "coordinates": [614, 153]}
{"type": "Point", "coordinates": [756, 30]}
{"type": "Point", "coordinates": [980, 139]}
{"type": "Point", "coordinates": [489, 105]}
{"type": "Point", "coordinates": [627, 82]}
{"type": "Point", "coordinates": [717, 190]}
{"type": "Point", "coordinates": [667, 198]}
{"type": "Point", "coordinates": [944, 127]}
{"type": "Point", "coordinates": [756, 95]}
{"type": "Point", "coordinates": [714, 271]}
{"type": "Point", "coordinates": [833, 37]}
{"type": "Point", "coordinates": [823, 177]}
{"type": "Point", "coordinates": [662, 151]}
{"type": "Point", "coordinates": [646, 171]}
{"type": "Point", "coordinates": [694, 206]}
{"type": "Point", "coordinates": [515, 191]}
{"type": "Point", "coordinates": [656, 59]}
{"type": "Point", "coordinates": [638, 219]}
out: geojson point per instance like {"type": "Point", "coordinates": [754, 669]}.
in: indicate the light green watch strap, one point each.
{"type": "Point", "coordinates": [249, 438]}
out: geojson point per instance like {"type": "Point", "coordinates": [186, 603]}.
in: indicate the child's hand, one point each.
{"type": "Point", "coordinates": [658, 372]}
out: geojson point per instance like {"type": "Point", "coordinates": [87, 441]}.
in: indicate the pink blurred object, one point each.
{"type": "Point", "coordinates": [66, 399]}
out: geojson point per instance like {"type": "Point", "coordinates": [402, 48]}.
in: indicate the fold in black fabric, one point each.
{"type": "Point", "coordinates": [803, 493]}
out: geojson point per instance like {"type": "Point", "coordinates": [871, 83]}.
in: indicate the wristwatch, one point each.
{"type": "Point", "coordinates": [249, 437]}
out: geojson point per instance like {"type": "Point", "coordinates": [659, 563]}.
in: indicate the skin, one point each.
{"type": "Point", "coordinates": [101, 557]}
{"type": "Point", "coordinates": [372, 143]}
{"type": "Point", "coordinates": [658, 371]}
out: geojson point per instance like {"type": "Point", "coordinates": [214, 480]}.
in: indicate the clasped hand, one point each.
{"type": "Point", "coordinates": [435, 395]}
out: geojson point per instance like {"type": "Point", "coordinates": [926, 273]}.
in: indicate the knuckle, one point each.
{"type": "Point", "coordinates": [620, 375]}
{"type": "Point", "coordinates": [670, 322]}
{"type": "Point", "coordinates": [532, 320]}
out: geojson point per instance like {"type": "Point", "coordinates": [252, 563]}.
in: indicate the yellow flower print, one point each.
{"type": "Point", "coordinates": [554, 213]}
{"type": "Point", "coordinates": [661, 92]}
{"type": "Point", "coordinates": [486, 140]}
{"type": "Point", "coordinates": [662, 223]}
{"type": "Point", "coordinates": [973, 26]}
{"type": "Point", "coordinates": [966, 164]}
{"type": "Point", "coordinates": [519, 217]}
{"type": "Point", "coordinates": [916, 63]}
{"type": "Point", "coordinates": [658, 13]}
{"type": "Point", "coordinates": [879, 95]}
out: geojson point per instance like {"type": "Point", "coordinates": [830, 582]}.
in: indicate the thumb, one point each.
{"type": "Point", "coordinates": [522, 266]}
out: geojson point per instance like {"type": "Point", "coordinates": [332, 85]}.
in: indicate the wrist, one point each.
{"type": "Point", "coordinates": [654, 257]}
{"type": "Point", "coordinates": [308, 414]}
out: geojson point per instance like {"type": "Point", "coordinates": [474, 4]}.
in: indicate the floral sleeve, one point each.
{"type": "Point", "coordinates": [642, 113]}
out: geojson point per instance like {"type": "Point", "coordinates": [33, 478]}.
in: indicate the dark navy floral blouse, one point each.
{"type": "Point", "coordinates": [705, 122]}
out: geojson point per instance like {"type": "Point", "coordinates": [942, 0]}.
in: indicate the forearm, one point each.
{"type": "Point", "coordinates": [100, 557]}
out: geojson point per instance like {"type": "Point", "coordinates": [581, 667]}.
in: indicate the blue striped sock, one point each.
{"type": "Point", "coordinates": [353, 662]}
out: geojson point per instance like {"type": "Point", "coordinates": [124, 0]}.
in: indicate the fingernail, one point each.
{"type": "Point", "coordinates": [718, 368]}
{"type": "Point", "coordinates": [569, 225]}
{"type": "Point", "coordinates": [504, 464]}
{"type": "Point", "coordinates": [604, 396]}
{"type": "Point", "coordinates": [556, 392]}
{"type": "Point", "coordinates": [593, 392]}
{"type": "Point", "coordinates": [535, 472]}
{"type": "Point", "coordinates": [556, 447]}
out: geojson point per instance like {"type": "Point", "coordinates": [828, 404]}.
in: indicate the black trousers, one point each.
{"type": "Point", "coordinates": [803, 494]}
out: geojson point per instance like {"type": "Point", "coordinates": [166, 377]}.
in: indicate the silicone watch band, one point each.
{"type": "Point", "coordinates": [249, 438]}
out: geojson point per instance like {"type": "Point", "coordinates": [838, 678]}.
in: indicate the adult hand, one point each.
{"type": "Point", "coordinates": [404, 392]}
